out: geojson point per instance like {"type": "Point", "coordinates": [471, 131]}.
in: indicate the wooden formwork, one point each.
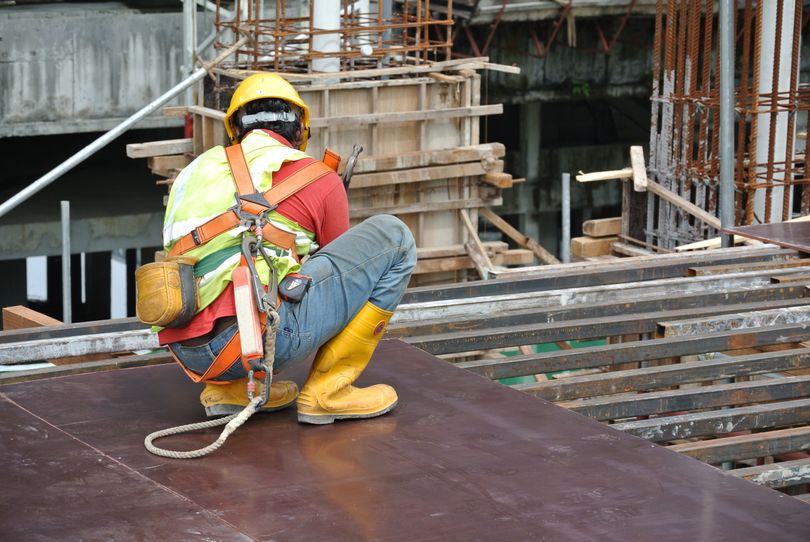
{"type": "Point", "coordinates": [422, 159]}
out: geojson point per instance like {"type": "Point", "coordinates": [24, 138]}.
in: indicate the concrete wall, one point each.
{"type": "Point", "coordinates": [67, 68]}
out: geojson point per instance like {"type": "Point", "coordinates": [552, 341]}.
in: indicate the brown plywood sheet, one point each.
{"type": "Point", "coordinates": [460, 458]}
{"type": "Point", "coordinates": [795, 235]}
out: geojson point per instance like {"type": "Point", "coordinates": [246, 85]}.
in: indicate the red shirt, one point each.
{"type": "Point", "coordinates": [321, 207]}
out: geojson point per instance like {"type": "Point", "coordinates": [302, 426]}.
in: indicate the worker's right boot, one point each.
{"type": "Point", "coordinates": [328, 394]}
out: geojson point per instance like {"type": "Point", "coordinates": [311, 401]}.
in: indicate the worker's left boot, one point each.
{"type": "Point", "coordinates": [231, 398]}
{"type": "Point", "coordinates": [328, 394]}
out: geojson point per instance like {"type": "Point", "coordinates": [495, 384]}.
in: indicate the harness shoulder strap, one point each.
{"type": "Point", "coordinates": [239, 169]}
{"type": "Point", "coordinates": [286, 186]}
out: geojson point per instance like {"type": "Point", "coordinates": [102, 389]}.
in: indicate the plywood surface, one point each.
{"type": "Point", "coordinates": [460, 458]}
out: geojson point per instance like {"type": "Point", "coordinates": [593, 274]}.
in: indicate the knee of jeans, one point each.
{"type": "Point", "coordinates": [396, 230]}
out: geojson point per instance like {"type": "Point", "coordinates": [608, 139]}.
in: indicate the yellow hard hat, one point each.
{"type": "Point", "coordinates": [260, 86]}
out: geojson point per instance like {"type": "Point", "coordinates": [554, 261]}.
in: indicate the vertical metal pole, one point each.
{"type": "Point", "coordinates": [67, 309]}
{"type": "Point", "coordinates": [189, 44]}
{"type": "Point", "coordinates": [726, 194]}
{"type": "Point", "coordinates": [565, 243]}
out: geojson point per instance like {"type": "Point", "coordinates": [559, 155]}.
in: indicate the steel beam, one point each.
{"type": "Point", "coordinates": [590, 328]}
{"type": "Point", "coordinates": [777, 475]}
{"type": "Point", "coordinates": [734, 394]}
{"type": "Point", "coordinates": [650, 378]}
{"type": "Point", "coordinates": [763, 444]}
{"type": "Point", "coordinates": [717, 422]}
{"type": "Point", "coordinates": [554, 277]}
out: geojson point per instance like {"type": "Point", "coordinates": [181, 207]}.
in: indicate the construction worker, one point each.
{"type": "Point", "coordinates": [358, 275]}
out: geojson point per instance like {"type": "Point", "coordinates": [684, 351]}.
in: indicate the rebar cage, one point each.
{"type": "Point", "coordinates": [284, 34]}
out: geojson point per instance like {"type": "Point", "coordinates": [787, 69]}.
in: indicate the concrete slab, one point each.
{"type": "Point", "coordinates": [461, 458]}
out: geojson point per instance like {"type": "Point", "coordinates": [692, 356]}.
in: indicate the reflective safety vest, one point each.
{"type": "Point", "coordinates": [201, 221]}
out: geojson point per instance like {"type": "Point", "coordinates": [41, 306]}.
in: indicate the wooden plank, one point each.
{"type": "Point", "coordinates": [426, 253]}
{"type": "Point", "coordinates": [487, 152]}
{"type": "Point", "coordinates": [158, 148]}
{"type": "Point", "coordinates": [777, 475]}
{"type": "Point", "coordinates": [426, 207]}
{"type": "Point", "coordinates": [406, 116]}
{"type": "Point", "coordinates": [518, 256]}
{"type": "Point", "coordinates": [684, 204]}
{"type": "Point", "coordinates": [781, 279]}
{"type": "Point", "coordinates": [727, 268]}
{"type": "Point", "coordinates": [718, 422]}
{"type": "Point", "coordinates": [626, 249]}
{"type": "Point", "coordinates": [20, 317]}
{"type": "Point", "coordinates": [523, 240]}
{"type": "Point", "coordinates": [168, 162]}
{"type": "Point", "coordinates": [624, 173]}
{"type": "Point", "coordinates": [761, 444]}
{"type": "Point", "coordinates": [586, 247]}
{"type": "Point", "coordinates": [500, 180]}
{"type": "Point", "coordinates": [602, 227]}
{"type": "Point", "coordinates": [432, 173]}
{"type": "Point", "coordinates": [650, 378]}
{"type": "Point", "coordinates": [639, 169]}
{"type": "Point", "coordinates": [734, 394]}
{"type": "Point", "coordinates": [475, 249]}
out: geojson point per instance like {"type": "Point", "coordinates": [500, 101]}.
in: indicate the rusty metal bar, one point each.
{"type": "Point", "coordinates": [760, 444]}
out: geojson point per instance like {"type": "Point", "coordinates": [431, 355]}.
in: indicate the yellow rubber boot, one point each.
{"type": "Point", "coordinates": [231, 398]}
{"type": "Point", "coordinates": [328, 394]}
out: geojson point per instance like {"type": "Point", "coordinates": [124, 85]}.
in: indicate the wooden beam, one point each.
{"type": "Point", "coordinates": [588, 247]}
{"type": "Point", "coordinates": [639, 169]}
{"type": "Point", "coordinates": [498, 179]}
{"type": "Point", "coordinates": [20, 317]}
{"type": "Point", "coordinates": [432, 173]}
{"type": "Point", "coordinates": [618, 174]}
{"type": "Point", "coordinates": [487, 152]}
{"type": "Point", "coordinates": [475, 249]}
{"type": "Point", "coordinates": [602, 227]}
{"type": "Point", "coordinates": [159, 148]}
{"type": "Point", "coordinates": [760, 444]}
{"type": "Point", "coordinates": [405, 116]}
{"type": "Point", "coordinates": [426, 253]}
{"type": "Point", "coordinates": [456, 263]}
{"type": "Point", "coordinates": [523, 240]}
{"type": "Point", "coordinates": [718, 422]}
{"type": "Point", "coordinates": [424, 207]}
{"type": "Point", "coordinates": [751, 266]}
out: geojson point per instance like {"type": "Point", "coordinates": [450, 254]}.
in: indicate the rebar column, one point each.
{"type": "Point", "coordinates": [726, 195]}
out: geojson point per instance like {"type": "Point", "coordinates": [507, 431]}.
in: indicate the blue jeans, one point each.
{"type": "Point", "coordinates": [371, 262]}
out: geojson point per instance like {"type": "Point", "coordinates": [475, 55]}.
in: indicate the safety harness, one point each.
{"type": "Point", "coordinates": [250, 212]}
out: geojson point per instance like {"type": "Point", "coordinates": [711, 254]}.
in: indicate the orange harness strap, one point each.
{"type": "Point", "coordinates": [226, 358]}
{"type": "Point", "coordinates": [229, 219]}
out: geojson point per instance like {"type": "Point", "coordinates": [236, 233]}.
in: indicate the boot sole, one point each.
{"type": "Point", "coordinates": [325, 419]}
{"type": "Point", "coordinates": [227, 410]}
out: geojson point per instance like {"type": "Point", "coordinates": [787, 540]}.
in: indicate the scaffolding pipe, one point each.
{"type": "Point", "coordinates": [726, 194]}
{"type": "Point", "coordinates": [565, 244]}
{"type": "Point", "coordinates": [67, 287]}
{"type": "Point", "coordinates": [108, 137]}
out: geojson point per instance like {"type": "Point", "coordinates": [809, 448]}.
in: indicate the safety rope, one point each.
{"type": "Point", "coordinates": [233, 421]}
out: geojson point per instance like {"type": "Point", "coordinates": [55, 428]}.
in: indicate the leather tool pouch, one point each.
{"type": "Point", "coordinates": [166, 292]}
